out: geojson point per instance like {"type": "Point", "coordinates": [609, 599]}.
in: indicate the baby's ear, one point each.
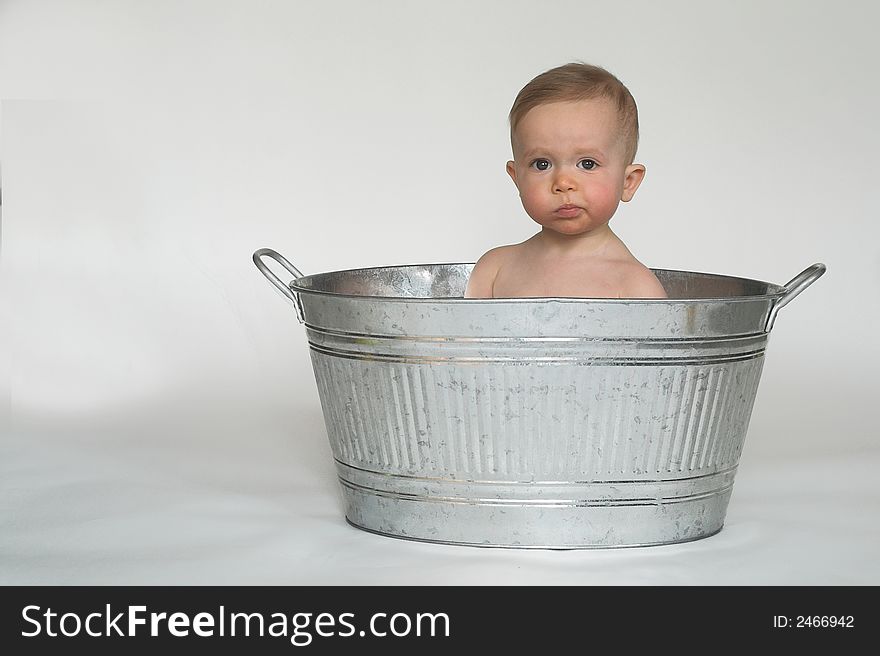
{"type": "Point", "coordinates": [633, 177]}
{"type": "Point", "coordinates": [511, 171]}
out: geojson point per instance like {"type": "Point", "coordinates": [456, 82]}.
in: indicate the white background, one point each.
{"type": "Point", "coordinates": [158, 415]}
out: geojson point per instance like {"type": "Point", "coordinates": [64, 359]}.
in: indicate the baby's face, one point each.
{"type": "Point", "coordinates": [570, 165]}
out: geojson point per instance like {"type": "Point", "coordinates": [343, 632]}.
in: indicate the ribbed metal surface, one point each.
{"type": "Point", "coordinates": [536, 422]}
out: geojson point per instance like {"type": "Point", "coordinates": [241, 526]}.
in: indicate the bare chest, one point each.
{"type": "Point", "coordinates": [524, 279]}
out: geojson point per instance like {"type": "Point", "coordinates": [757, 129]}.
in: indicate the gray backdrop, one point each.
{"type": "Point", "coordinates": [158, 417]}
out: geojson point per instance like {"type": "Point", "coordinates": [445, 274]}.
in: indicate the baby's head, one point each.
{"type": "Point", "coordinates": [574, 131]}
{"type": "Point", "coordinates": [574, 82]}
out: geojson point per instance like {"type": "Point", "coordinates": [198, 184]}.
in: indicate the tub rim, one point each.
{"type": "Point", "coordinates": [777, 290]}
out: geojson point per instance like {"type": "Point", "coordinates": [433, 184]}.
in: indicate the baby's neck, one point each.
{"type": "Point", "coordinates": [595, 242]}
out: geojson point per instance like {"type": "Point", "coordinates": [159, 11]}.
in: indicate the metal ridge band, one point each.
{"type": "Point", "coordinates": [729, 471]}
{"type": "Point", "coordinates": [520, 357]}
{"type": "Point", "coordinates": [504, 339]}
{"type": "Point", "coordinates": [555, 494]}
{"type": "Point", "coordinates": [536, 502]}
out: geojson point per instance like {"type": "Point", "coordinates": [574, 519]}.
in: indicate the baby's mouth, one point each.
{"type": "Point", "coordinates": [568, 210]}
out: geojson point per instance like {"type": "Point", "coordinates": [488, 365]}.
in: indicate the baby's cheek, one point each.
{"type": "Point", "coordinates": [526, 200]}
{"type": "Point", "coordinates": [532, 201]}
{"type": "Point", "coordinates": [609, 202]}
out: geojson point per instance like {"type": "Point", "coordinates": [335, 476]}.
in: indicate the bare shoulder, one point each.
{"type": "Point", "coordinates": [642, 283]}
{"type": "Point", "coordinates": [486, 270]}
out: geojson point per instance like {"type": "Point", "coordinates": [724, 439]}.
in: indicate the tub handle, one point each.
{"type": "Point", "coordinates": [794, 287]}
{"type": "Point", "coordinates": [276, 281]}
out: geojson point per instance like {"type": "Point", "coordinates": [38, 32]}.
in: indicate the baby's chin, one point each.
{"type": "Point", "coordinates": [571, 228]}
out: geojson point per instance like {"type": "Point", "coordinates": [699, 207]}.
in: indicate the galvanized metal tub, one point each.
{"type": "Point", "coordinates": [534, 422]}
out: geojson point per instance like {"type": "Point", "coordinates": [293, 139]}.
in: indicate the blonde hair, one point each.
{"type": "Point", "coordinates": [578, 81]}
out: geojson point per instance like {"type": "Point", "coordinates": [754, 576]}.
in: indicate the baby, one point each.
{"type": "Point", "coordinates": [574, 132]}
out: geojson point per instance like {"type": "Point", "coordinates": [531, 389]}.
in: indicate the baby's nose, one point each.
{"type": "Point", "coordinates": [563, 182]}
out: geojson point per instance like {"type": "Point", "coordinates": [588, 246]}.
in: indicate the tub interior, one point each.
{"type": "Point", "coordinates": [450, 281]}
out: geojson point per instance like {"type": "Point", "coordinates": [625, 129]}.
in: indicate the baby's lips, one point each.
{"type": "Point", "coordinates": [568, 210]}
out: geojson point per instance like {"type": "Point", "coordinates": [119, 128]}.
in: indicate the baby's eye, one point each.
{"type": "Point", "coordinates": [587, 164]}
{"type": "Point", "coordinates": [541, 164]}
